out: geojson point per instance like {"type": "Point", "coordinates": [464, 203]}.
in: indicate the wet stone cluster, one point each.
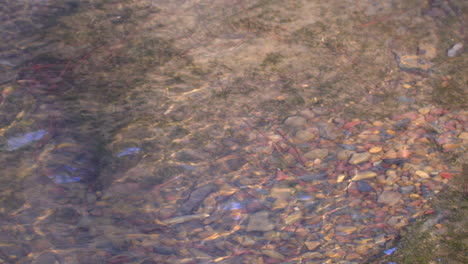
{"type": "Point", "coordinates": [328, 190]}
{"type": "Point", "coordinates": [313, 188]}
{"type": "Point", "coordinates": [200, 136]}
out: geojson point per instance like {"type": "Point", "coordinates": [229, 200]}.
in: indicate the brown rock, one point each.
{"type": "Point", "coordinates": [343, 239]}
{"type": "Point", "coordinates": [353, 189]}
{"type": "Point", "coordinates": [346, 229]}
{"type": "Point", "coordinates": [344, 154]}
{"type": "Point", "coordinates": [336, 253]}
{"type": "Point", "coordinates": [293, 218]}
{"type": "Point", "coordinates": [312, 255]}
{"type": "Point", "coordinates": [311, 245]}
{"type": "Point", "coordinates": [273, 254]}
{"type": "Point", "coordinates": [303, 136]}
{"type": "Point", "coordinates": [352, 256]}
{"type": "Point", "coordinates": [362, 249]}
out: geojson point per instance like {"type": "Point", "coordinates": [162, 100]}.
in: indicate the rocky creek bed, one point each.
{"type": "Point", "coordinates": [233, 132]}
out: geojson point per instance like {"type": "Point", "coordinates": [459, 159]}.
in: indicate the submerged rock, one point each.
{"type": "Point", "coordinates": [357, 158]}
{"type": "Point", "coordinates": [260, 222]}
{"type": "Point", "coordinates": [197, 197]}
{"type": "Point", "coordinates": [389, 197]}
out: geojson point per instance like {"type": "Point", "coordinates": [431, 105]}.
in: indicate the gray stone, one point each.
{"type": "Point", "coordinates": [47, 258]}
{"type": "Point", "coordinates": [364, 187]}
{"type": "Point", "coordinates": [327, 131]}
{"type": "Point", "coordinates": [389, 197]}
{"type": "Point", "coordinates": [260, 222]}
{"type": "Point", "coordinates": [407, 189]}
{"type": "Point", "coordinates": [295, 121]}
{"type": "Point", "coordinates": [357, 158]}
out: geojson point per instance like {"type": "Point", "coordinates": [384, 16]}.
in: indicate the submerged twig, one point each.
{"type": "Point", "coordinates": [297, 154]}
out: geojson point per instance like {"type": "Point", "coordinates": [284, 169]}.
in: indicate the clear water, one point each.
{"type": "Point", "coordinates": [158, 132]}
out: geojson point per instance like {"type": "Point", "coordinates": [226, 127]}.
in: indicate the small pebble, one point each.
{"type": "Point", "coordinates": [422, 174]}
{"type": "Point", "coordinates": [375, 149]}
{"type": "Point", "coordinates": [340, 178]}
{"type": "Point", "coordinates": [364, 175]}
{"type": "Point", "coordinates": [424, 110]}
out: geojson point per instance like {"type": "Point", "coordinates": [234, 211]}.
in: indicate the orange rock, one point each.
{"type": "Point", "coordinates": [450, 146]}
{"type": "Point", "coordinates": [375, 149]}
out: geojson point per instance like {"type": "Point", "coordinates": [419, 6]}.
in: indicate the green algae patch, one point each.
{"type": "Point", "coordinates": [441, 236]}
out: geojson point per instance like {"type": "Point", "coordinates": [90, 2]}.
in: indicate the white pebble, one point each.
{"type": "Point", "coordinates": [455, 49]}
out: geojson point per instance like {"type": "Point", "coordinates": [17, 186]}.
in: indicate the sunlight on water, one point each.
{"type": "Point", "coordinates": [228, 131]}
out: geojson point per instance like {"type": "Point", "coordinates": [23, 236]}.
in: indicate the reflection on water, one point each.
{"type": "Point", "coordinates": [24, 139]}
{"type": "Point", "coordinates": [224, 131]}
